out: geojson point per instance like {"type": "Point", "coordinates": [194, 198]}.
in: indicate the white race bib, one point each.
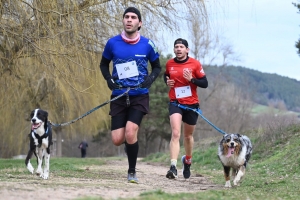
{"type": "Point", "coordinates": [182, 92]}
{"type": "Point", "coordinates": [127, 70]}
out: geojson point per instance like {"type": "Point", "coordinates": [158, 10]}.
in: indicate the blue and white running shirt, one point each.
{"type": "Point", "coordinates": [121, 52]}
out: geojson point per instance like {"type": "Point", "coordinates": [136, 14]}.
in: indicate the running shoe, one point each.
{"type": "Point", "coordinates": [185, 168]}
{"type": "Point", "coordinates": [132, 177]}
{"type": "Point", "coordinates": [172, 173]}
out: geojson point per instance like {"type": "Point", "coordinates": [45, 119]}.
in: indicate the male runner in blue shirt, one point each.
{"type": "Point", "coordinates": [130, 53]}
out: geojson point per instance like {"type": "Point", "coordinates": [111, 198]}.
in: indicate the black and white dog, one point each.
{"type": "Point", "coordinates": [40, 141]}
{"type": "Point", "coordinates": [234, 152]}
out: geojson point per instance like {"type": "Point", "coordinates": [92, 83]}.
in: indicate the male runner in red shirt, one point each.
{"type": "Point", "coordinates": [183, 75]}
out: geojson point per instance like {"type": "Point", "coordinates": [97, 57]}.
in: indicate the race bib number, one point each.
{"type": "Point", "coordinates": [182, 92]}
{"type": "Point", "coordinates": [127, 70]}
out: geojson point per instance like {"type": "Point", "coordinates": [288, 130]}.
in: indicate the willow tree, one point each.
{"type": "Point", "coordinates": [49, 56]}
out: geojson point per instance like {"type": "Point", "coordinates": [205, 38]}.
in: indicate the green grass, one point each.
{"type": "Point", "coordinates": [65, 167]}
{"type": "Point", "coordinates": [261, 109]}
{"type": "Point", "coordinates": [273, 172]}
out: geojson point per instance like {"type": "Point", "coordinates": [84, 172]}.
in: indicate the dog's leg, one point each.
{"type": "Point", "coordinates": [234, 173]}
{"type": "Point", "coordinates": [39, 170]}
{"type": "Point", "coordinates": [239, 176]}
{"type": "Point", "coordinates": [227, 176]}
{"type": "Point", "coordinates": [27, 161]}
{"type": "Point", "coordinates": [47, 164]}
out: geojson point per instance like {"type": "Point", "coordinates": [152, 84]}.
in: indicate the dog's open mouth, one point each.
{"type": "Point", "coordinates": [230, 152]}
{"type": "Point", "coordinates": [35, 125]}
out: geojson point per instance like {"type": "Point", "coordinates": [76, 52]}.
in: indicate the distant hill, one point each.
{"type": "Point", "coordinates": [264, 88]}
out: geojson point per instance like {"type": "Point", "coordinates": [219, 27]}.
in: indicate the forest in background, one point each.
{"type": "Point", "coordinates": [263, 88]}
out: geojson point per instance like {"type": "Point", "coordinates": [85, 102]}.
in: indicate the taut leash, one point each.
{"type": "Point", "coordinates": [92, 110]}
{"type": "Point", "coordinates": [199, 112]}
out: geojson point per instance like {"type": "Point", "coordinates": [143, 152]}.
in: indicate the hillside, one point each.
{"type": "Point", "coordinates": [272, 173]}
{"type": "Point", "coordinates": [264, 88]}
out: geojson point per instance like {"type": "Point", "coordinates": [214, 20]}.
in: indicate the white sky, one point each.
{"type": "Point", "coordinates": [262, 32]}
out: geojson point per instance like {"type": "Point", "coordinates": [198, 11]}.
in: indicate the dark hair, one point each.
{"type": "Point", "coordinates": [181, 41]}
{"type": "Point", "coordinates": [133, 10]}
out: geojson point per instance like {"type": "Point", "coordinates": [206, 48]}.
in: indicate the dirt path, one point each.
{"type": "Point", "coordinates": [112, 184]}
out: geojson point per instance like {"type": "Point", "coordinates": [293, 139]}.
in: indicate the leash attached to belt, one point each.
{"type": "Point", "coordinates": [92, 110]}
{"type": "Point", "coordinates": [199, 112]}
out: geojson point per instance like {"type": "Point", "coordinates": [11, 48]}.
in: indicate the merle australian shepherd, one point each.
{"type": "Point", "coordinates": [234, 153]}
{"type": "Point", "coordinates": [40, 141]}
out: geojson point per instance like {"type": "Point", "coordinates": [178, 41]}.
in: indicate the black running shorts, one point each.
{"type": "Point", "coordinates": [188, 116]}
{"type": "Point", "coordinates": [122, 111]}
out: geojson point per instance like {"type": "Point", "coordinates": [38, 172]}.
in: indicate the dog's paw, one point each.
{"type": "Point", "coordinates": [39, 172]}
{"type": "Point", "coordinates": [45, 176]}
{"type": "Point", "coordinates": [227, 184]}
{"type": "Point", "coordinates": [237, 179]}
{"type": "Point", "coordinates": [30, 168]}
{"type": "Point", "coordinates": [236, 183]}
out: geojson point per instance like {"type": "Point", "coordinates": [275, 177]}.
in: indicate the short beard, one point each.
{"type": "Point", "coordinates": [181, 58]}
{"type": "Point", "coordinates": [130, 32]}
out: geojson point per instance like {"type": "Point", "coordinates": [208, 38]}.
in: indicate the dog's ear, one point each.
{"type": "Point", "coordinates": [46, 119]}
{"type": "Point", "coordinates": [46, 113]}
{"type": "Point", "coordinates": [238, 135]}
{"type": "Point", "coordinates": [32, 113]}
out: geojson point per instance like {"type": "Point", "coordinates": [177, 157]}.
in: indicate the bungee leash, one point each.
{"type": "Point", "coordinates": [199, 112]}
{"type": "Point", "coordinates": [92, 110]}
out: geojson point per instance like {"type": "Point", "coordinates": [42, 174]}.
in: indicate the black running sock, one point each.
{"type": "Point", "coordinates": [132, 153]}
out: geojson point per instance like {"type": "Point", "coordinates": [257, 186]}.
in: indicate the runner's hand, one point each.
{"type": "Point", "coordinates": [147, 82]}
{"type": "Point", "coordinates": [111, 84]}
{"type": "Point", "coordinates": [170, 82]}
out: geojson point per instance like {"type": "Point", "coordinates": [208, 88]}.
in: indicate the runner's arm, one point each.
{"type": "Point", "coordinates": [165, 77]}
{"type": "Point", "coordinates": [200, 82]}
{"type": "Point", "coordinates": [156, 68]}
{"type": "Point", "coordinates": [104, 67]}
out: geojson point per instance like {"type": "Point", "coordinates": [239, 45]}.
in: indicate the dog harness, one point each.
{"type": "Point", "coordinates": [40, 138]}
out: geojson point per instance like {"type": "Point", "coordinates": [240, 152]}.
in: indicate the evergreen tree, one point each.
{"type": "Point", "coordinates": [298, 42]}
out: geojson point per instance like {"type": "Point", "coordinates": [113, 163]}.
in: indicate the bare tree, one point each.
{"type": "Point", "coordinates": [228, 108]}
{"type": "Point", "coordinates": [223, 104]}
{"type": "Point", "coordinates": [206, 44]}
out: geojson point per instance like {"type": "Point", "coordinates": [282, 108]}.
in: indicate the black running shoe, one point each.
{"type": "Point", "coordinates": [172, 173]}
{"type": "Point", "coordinates": [186, 172]}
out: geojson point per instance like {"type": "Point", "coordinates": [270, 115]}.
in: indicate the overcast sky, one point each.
{"type": "Point", "coordinates": [262, 32]}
